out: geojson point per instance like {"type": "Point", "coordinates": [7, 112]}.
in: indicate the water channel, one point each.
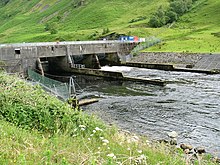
{"type": "Point", "coordinates": [189, 104]}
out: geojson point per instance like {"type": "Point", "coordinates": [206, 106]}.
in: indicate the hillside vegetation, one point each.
{"type": "Point", "coordinates": [51, 20]}
{"type": "Point", "coordinates": [36, 128]}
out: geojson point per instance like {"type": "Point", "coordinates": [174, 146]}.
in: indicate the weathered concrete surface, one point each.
{"type": "Point", "coordinates": [170, 58]}
{"type": "Point", "coordinates": [202, 63]}
{"type": "Point", "coordinates": [25, 55]}
{"type": "Point", "coordinates": [208, 62]}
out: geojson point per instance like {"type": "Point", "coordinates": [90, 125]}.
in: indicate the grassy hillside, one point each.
{"type": "Point", "coordinates": [197, 31]}
{"type": "Point", "coordinates": [36, 128]}
{"type": "Point", "coordinates": [25, 21]}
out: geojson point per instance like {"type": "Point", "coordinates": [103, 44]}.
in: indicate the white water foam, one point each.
{"type": "Point", "coordinates": [117, 68]}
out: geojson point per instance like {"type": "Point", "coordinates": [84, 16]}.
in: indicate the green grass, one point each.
{"type": "Point", "coordinates": [24, 21]}
{"type": "Point", "coordinates": [36, 128]}
{"type": "Point", "coordinates": [19, 146]}
{"type": "Point", "coordinates": [195, 31]}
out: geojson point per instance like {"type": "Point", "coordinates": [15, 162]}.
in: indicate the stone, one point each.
{"type": "Point", "coordinates": [173, 141]}
{"type": "Point", "coordinates": [186, 146]}
{"type": "Point", "coordinates": [216, 160]}
{"type": "Point", "coordinates": [186, 151]}
{"type": "Point", "coordinates": [199, 150]}
{"type": "Point", "coordinates": [163, 141]}
{"type": "Point", "coordinates": [172, 134]}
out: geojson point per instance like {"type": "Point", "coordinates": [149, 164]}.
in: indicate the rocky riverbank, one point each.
{"type": "Point", "coordinates": [191, 154]}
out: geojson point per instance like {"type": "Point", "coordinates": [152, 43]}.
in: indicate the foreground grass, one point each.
{"type": "Point", "coordinates": [36, 128]}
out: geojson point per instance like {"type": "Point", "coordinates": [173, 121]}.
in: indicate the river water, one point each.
{"type": "Point", "coordinates": [189, 104]}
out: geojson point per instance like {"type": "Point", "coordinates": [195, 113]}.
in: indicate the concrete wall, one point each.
{"type": "Point", "coordinates": [167, 57]}
{"type": "Point", "coordinates": [17, 59]}
{"type": "Point", "coordinates": [25, 55]}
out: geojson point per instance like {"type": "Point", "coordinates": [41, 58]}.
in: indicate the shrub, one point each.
{"type": "Point", "coordinates": [4, 2]}
{"type": "Point", "coordinates": [105, 31]}
{"type": "Point", "coordinates": [33, 108]}
{"type": "Point", "coordinates": [158, 19]}
{"type": "Point", "coordinates": [51, 27]}
{"type": "Point", "coordinates": [172, 16]}
{"type": "Point", "coordinates": [179, 7]}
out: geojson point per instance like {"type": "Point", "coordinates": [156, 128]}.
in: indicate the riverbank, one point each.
{"type": "Point", "coordinates": [37, 127]}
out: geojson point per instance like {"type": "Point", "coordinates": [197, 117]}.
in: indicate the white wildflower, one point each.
{"type": "Point", "coordinates": [112, 155]}
{"type": "Point", "coordinates": [89, 139]}
{"type": "Point", "coordinates": [91, 135]}
{"type": "Point", "coordinates": [105, 141]}
{"type": "Point", "coordinates": [83, 129]}
{"type": "Point", "coordinates": [82, 126]}
{"type": "Point", "coordinates": [98, 129]}
{"type": "Point", "coordinates": [139, 151]}
{"type": "Point", "coordinates": [94, 131]}
{"type": "Point", "coordinates": [142, 157]}
{"type": "Point", "coordinates": [133, 139]}
{"type": "Point", "coordinates": [101, 138]}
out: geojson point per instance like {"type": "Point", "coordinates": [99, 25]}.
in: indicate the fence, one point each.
{"type": "Point", "coordinates": [151, 41]}
{"type": "Point", "coordinates": [61, 90]}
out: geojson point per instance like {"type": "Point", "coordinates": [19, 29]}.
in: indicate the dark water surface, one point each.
{"type": "Point", "coordinates": [189, 104]}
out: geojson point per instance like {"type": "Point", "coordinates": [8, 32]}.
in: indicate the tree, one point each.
{"type": "Point", "coordinates": [4, 2]}
{"type": "Point", "coordinates": [158, 19]}
{"type": "Point", "coordinates": [172, 16]}
{"type": "Point", "coordinates": [51, 27]}
{"type": "Point", "coordinates": [179, 7]}
{"type": "Point", "coordinates": [154, 21]}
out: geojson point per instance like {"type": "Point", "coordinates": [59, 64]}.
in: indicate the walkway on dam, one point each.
{"type": "Point", "coordinates": [208, 62]}
{"type": "Point", "coordinates": [65, 43]}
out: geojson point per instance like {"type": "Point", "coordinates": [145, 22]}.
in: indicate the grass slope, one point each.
{"type": "Point", "coordinates": [36, 128]}
{"type": "Point", "coordinates": [197, 31]}
{"type": "Point", "coordinates": [24, 21]}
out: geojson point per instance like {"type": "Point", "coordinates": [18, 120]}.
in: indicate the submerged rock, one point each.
{"type": "Point", "coordinates": [216, 160]}
{"type": "Point", "coordinates": [200, 150]}
{"type": "Point", "coordinates": [186, 146]}
{"type": "Point", "coordinates": [172, 134]}
{"type": "Point", "coordinates": [163, 141]}
{"type": "Point", "coordinates": [173, 141]}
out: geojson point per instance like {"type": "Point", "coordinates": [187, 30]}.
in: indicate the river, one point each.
{"type": "Point", "coordinates": [189, 104]}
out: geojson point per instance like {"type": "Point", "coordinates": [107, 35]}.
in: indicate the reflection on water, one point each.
{"type": "Point", "coordinates": [189, 104]}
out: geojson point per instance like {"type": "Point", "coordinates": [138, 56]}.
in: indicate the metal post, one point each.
{"type": "Point", "coordinates": [72, 89]}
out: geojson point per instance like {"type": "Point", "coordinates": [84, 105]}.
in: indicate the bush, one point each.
{"type": "Point", "coordinates": [158, 19]}
{"type": "Point", "coordinates": [172, 16]}
{"type": "Point", "coordinates": [51, 27]}
{"type": "Point", "coordinates": [33, 108]}
{"type": "Point", "coordinates": [105, 31]}
{"type": "Point", "coordinates": [4, 2]}
{"type": "Point", "coordinates": [179, 7]}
